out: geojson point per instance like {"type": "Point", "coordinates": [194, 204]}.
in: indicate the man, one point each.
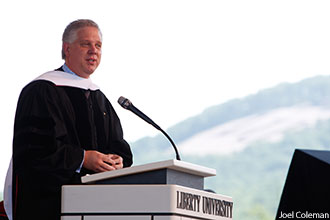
{"type": "Point", "coordinates": [65, 128]}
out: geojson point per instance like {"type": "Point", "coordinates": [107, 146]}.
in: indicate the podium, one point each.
{"type": "Point", "coordinates": [166, 190]}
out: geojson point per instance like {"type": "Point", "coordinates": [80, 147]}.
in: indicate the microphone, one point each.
{"type": "Point", "coordinates": [127, 104]}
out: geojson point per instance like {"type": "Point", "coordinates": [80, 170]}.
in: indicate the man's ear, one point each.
{"type": "Point", "coordinates": [66, 48]}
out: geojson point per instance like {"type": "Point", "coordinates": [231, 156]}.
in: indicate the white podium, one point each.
{"type": "Point", "coordinates": [167, 190]}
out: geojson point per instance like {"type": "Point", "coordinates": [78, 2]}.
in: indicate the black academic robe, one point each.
{"type": "Point", "coordinates": [53, 126]}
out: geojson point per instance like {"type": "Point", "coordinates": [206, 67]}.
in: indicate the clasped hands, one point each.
{"type": "Point", "coordinates": [99, 162]}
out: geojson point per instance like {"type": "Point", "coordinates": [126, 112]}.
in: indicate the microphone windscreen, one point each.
{"type": "Point", "coordinates": [124, 102]}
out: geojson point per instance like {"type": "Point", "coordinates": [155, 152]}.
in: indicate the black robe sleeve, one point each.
{"type": "Point", "coordinates": [45, 153]}
{"type": "Point", "coordinates": [42, 140]}
{"type": "Point", "coordinates": [121, 147]}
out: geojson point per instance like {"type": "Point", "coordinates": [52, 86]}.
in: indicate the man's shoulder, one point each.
{"type": "Point", "coordinates": [39, 88]}
{"type": "Point", "coordinates": [39, 84]}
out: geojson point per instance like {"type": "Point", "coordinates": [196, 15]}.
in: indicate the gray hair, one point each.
{"type": "Point", "coordinates": [70, 32]}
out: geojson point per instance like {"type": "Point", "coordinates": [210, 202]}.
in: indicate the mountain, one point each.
{"type": "Point", "coordinates": [271, 126]}
{"type": "Point", "coordinates": [250, 142]}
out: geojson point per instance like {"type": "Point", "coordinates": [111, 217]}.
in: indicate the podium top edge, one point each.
{"type": "Point", "coordinates": [177, 165]}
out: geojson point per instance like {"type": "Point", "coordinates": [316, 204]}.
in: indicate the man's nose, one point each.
{"type": "Point", "coordinates": [93, 49]}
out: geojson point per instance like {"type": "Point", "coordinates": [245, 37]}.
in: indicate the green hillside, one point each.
{"type": "Point", "coordinates": [254, 176]}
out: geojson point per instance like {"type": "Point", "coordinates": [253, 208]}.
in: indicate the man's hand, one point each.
{"type": "Point", "coordinates": [99, 162]}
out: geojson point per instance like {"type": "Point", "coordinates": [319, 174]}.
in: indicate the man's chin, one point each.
{"type": "Point", "coordinates": [90, 70]}
{"type": "Point", "coordinates": [86, 73]}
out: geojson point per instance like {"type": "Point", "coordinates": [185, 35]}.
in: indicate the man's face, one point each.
{"type": "Point", "coordinates": [84, 55]}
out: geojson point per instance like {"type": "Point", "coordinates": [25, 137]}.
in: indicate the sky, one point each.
{"type": "Point", "coordinates": [172, 59]}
